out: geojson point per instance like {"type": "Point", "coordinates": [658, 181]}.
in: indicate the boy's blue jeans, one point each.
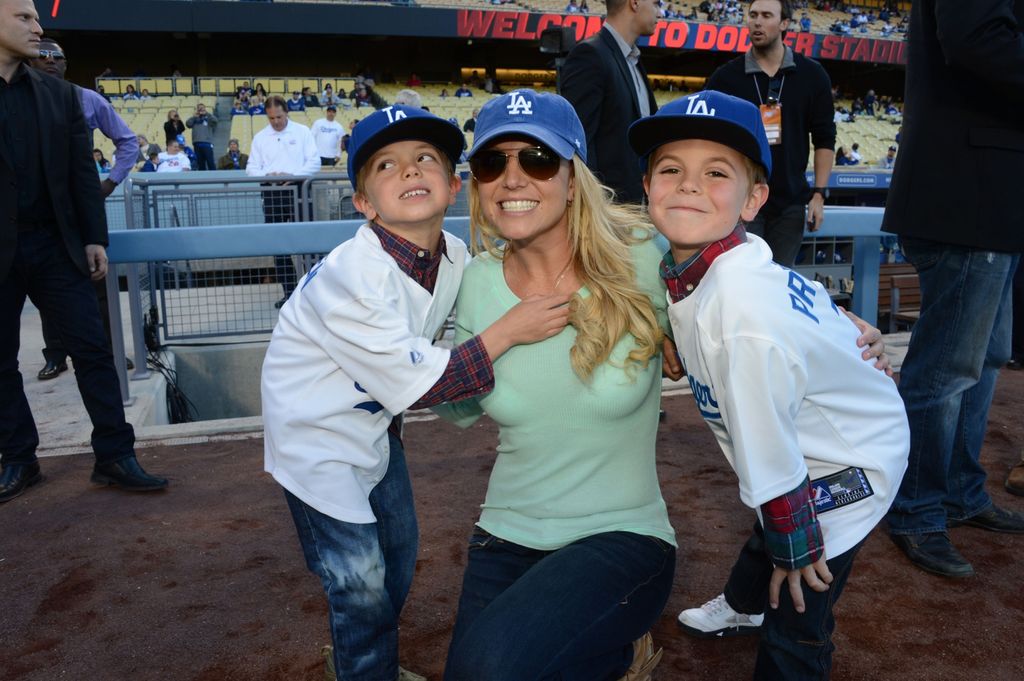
{"type": "Point", "coordinates": [569, 614]}
{"type": "Point", "coordinates": [948, 378]}
{"type": "Point", "coordinates": [794, 646]}
{"type": "Point", "coordinates": [366, 571]}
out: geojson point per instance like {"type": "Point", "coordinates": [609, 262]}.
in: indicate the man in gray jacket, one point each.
{"type": "Point", "coordinates": [203, 125]}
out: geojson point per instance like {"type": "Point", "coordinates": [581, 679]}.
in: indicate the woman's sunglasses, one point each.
{"type": "Point", "coordinates": [539, 163]}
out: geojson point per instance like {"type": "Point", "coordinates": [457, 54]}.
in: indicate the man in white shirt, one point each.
{"type": "Point", "coordinates": [173, 160]}
{"type": "Point", "coordinates": [327, 132]}
{"type": "Point", "coordinates": [282, 148]}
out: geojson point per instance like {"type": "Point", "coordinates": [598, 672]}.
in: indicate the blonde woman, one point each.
{"type": "Point", "coordinates": [572, 559]}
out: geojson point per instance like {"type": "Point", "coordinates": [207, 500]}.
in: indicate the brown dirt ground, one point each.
{"type": "Point", "coordinates": [207, 583]}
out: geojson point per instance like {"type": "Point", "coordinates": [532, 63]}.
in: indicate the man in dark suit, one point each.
{"type": "Point", "coordinates": [956, 206]}
{"type": "Point", "coordinates": [607, 85]}
{"type": "Point", "coordinates": [53, 235]}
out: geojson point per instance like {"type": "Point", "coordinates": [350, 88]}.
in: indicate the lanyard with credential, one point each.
{"type": "Point", "coordinates": [771, 113]}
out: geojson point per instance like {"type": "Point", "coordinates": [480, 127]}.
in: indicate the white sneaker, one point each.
{"type": "Point", "coordinates": [716, 618]}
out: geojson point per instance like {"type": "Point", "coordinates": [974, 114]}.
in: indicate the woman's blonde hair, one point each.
{"type": "Point", "coordinates": [600, 236]}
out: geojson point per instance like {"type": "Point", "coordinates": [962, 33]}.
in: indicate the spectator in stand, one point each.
{"type": "Point", "coordinates": [243, 91]}
{"type": "Point", "coordinates": [572, 7]}
{"type": "Point", "coordinates": [869, 103]}
{"type": "Point", "coordinates": [129, 93]}
{"type": "Point", "coordinates": [360, 95]}
{"type": "Point", "coordinates": [152, 164]}
{"type": "Point", "coordinates": [855, 154]}
{"type": "Point", "coordinates": [327, 98]}
{"type": "Point", "coordinates": [463, 91]}
{"type": "Point", "coordinates": [470, 124]}
{"type": "Point", "coordinates": [173, 126]}
{"type": "Point", "coordinates": [284, 147]}
{"type": "Point", "coordinates": [256, 107]}
{"type": "Point", "coordinates": [889, 161]}
{"type": "Point", "coordinates": [348, 135]}
{"type": "Point", "coordinates": [234, 159]}
{"type": "Point", "coordinates": [260, 90]}
{"type": "Point", "coordinates": [102, 164]}
{"type": "Point", "coordinates": [239, 108]}
{"type": "Point", "coordinates": [174, 160]}
{"type": "Point", "coordinates": [145, 95]}
{"type": "Point", "coordinates": [203, 124]}
{"type": "Point", "coordinates": [584, 8]}
{"type": "Point", "coordinates": [414, 81]}
{"type": "Point", "coordinates": [444, 93]}
{"type": "Point", "coordinates": [190, 154]}
{"type": "Point", "coordinates": [327, 133]}
{"type": "Point", "coordinates": [145, 149]}
{"type": "Point", "coordinates": [409, 98]}
{"type": "Point", "coordinates": [805, 23]}
{"type": "Point", "coordinates": [309, 99]}
{"type": "Point", "coordinates": [857, 106]}
{"type": "Point", "coordinates": [296, 103]}
{"type": "Point", "coordinates": [843, 157]}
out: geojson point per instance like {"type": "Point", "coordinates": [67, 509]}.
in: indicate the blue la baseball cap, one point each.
{"type": "Point", "coordinates": [707, 115]}
{"type": "Point", "coordinates": [397, 123]}
{"type": "Point", "coordinates": [547, 118]}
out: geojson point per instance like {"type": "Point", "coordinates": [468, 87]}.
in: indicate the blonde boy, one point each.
{"type": "Point", "coordinates": [817, 437]}
{"type": "Point", "coordinates": [352, 350]}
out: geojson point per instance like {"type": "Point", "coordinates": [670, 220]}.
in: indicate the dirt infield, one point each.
{"type": "Point", "coordinates": [207, 583]}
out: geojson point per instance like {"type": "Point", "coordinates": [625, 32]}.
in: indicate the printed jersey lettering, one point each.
{"type": "Point", "coordinates": [309, 277]}
{"type": "Point", "coordinates": [801, 295]}
{"type": "Point", "coordinates": [706, 402]}
{"type": "Point", "coordinates": [372, 406]}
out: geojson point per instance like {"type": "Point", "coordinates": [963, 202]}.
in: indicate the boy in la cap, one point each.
{"type": "Point", "coordinates": [817, 437]}
{"type": "Point", "coordinates": [352, 350]}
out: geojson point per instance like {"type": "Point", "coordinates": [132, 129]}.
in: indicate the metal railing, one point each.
{"type": "Point", "coordinates": [136, 249]}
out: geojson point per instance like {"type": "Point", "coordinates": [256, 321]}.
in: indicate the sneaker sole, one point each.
{"type": "Point", "coordinates": [728, 632]}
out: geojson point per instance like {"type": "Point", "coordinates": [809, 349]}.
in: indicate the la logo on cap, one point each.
{"type": "Point", "coordinates": [697, 107]}
{"type": "Point", "coordinates": [394, 115]}
{"type": "Point", "coordinates": [519, 105]}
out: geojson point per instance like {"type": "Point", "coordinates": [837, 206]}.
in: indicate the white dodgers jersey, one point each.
{"type": "Point", "coordinates": [352, 349]}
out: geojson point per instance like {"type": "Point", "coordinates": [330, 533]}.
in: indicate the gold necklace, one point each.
{"type": "Point", "coordinates": [558, 279]}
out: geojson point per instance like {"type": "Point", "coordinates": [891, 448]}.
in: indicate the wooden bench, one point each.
{"type": "Point", "coordinates": [899, 295]}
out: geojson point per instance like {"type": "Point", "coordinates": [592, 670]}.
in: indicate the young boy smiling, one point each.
{"type": "Point", "coordinates": [352, 350]}
{"type": "Point", "coordinates": [817, 437]}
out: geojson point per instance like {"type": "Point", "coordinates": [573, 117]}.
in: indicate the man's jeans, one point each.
{"type": "Point", "coordinates": [43, 271]}
{"type": "Point", "coordinates": [366, 571]}
{"type": "Point", "coordinates": [794, 646]}
{"type": "Point", "coordinates": [204, 155]}
{"type": "Point", "coordinates": [948, 377]}
{"type": "Point", "coordinates": [783, 233]}
{"type": "Point", "coordinates": [570, 614]}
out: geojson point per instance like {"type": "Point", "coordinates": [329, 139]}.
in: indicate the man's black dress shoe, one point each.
{"type": "Point", "coordinates": [127, 474]}
{"type": "Point", "coordinates": [16, 478]}
{"type": "Point", "coordinates": [52, 370]}
{"type": "Point", "coordinates": [934, 553]}
{"type": "Point", "coordinates": [994, 519]}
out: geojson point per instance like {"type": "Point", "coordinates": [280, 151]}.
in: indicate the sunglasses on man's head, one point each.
{"type": "Point", "coordinates": [540, 163]}
{"type": "Point", "coordinates": [55, 55]}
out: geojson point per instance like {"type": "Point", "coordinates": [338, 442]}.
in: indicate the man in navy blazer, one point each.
{"type": "Point", "coordinates": [606, 83]}
{"type": "Point", "coordinates": [53, 234]}
{"type": "Point", "coordinates": [955, 202]}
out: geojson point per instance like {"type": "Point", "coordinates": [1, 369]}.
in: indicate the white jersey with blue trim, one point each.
{"type": "Point", "coordinates": [353, 347]}
{"type": "Point", "coordinates": [777, 375]}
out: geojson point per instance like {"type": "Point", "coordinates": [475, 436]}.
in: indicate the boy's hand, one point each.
{"type": "Point", "coordinates": [534, 319]}
{"type": "Point", "coordinates": [872, 342]}
{"type": "Point", "coordinates": [816, 575]}
{"type": "Point", "coordinates": [671, 365]}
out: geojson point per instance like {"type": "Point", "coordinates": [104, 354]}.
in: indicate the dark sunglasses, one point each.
{"type": "Point", "coordinates": [51, 54]}
{"type": "Point", "coordinates": [540, 163]}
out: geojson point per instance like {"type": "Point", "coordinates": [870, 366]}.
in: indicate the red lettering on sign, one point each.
{"type": "Point", "coordinates": [706, 36]}
{"type": "Point", "coordinates": [473, 23]}
{"type": "Point", "coordinates": [901, 54]}
{"type": "Point", "coordinates": [863, 50]}
{"type": "Point", "coordinates": [728, 38]}
{"type": "Point", "coordinates": [829, 47]}
{"type": "Point", "coordinates": [547, 21]}
{"type": "Point", "coordinates": [675, 34]}
{"type": "Point", "coordinates": [521, 32]}
{"type": "Point", "coordinates": [880, 51]}
{"type": "Point", "coordinates": [654, 38]}
{"type": "Point", "coordinates": [848, 45]}
{"type": "Point", "coordinates": [805, 44]}
{"type": "Point", "coordinates": [577, 22]}
{"type": "Point", "coordinates": [593, 25]}
{"type": "Point", "coordinates": [504, 25]}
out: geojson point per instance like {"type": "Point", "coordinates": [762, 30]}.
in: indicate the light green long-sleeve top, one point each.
{"type": "Point", "coordinates": [574, 458]}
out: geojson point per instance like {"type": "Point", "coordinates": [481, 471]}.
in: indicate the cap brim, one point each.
{"type": "Point", "coordinates": [536, 132]}
{"type": "Point", "coordinates": [648, 134]}
{"type": "Point", "coordinates": [439, 132]}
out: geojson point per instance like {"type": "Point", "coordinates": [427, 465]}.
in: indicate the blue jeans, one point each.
{"type": "Point", "coordinates": [44, 272]}
{"type": "Point", "coordinates": [204, 153]}
{"type": "Point", "coordinates": [948, 377]}
{"type": "Point", "coordinates": [570, 614]}
{"type": "Point", "coordinates": [794, 646]}
{"type": "Point", "coordinates": [366, 571]}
